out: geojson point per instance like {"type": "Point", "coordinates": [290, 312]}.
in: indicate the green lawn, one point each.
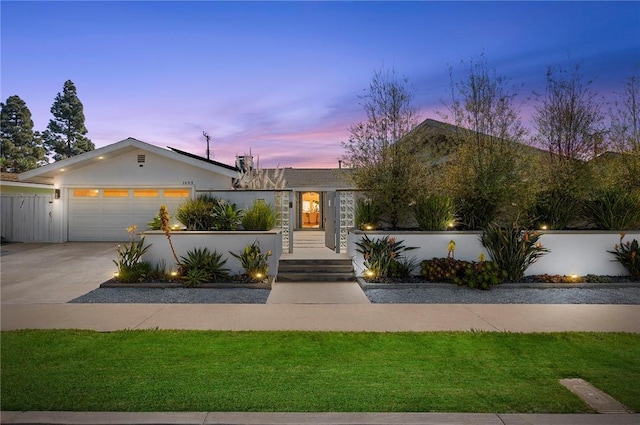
{"type": "Point", "coordinates": [313, 371]}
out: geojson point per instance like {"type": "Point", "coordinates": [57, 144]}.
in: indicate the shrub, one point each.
{"type": "Point", "coordinates": [403, 267]}
{"type": "Point", "coordinates": [514, 250]}
{"type": "Point", "coordinates": [139, 272]}
{"type": "Point", "coordinates": [481, 275]}
{"type": "Point", "coordinates": [254, 262]}
{"type": "Point", "coordinates": [202, 264]}
{"type": "Point", "coordinates": [130, 254]}
{"type": "Point", "coordinates": [155, 223]}
{"type": "Point", "coordinates": [476, 212]}
{"type": "Point", "coordinates": [435, 212]}
{"type": "Point", "coordinates": [441, 269]}
{"type": "Point", "coordinates": [367, 214]}
{"type": "Point", "coordinates": [613, 209]}
{"type": "Point", "coordinates": [628, 254]}
{"type": "Point", "coordinates": [379, 254]}
{"type": "Point", "coordinates": [555, 210]}
{"type": "Point", "coordinates": [226, 216]}
{"type": "Point", "coordinates": [198, 213]}
{"type": "Point", "coordinates": [195, 277]}
{"type": "Point", "coordinates": [261, 216]}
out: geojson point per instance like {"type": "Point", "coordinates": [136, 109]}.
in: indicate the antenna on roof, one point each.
{"type": "Point", "coordinates": [206, 136]}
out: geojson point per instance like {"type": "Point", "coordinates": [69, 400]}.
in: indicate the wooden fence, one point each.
{"type": "Point", "coordinates": [26, 217]}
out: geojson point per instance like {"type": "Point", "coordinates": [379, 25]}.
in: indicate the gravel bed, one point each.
{"type": "Point", "coordinates": [453, 295]}
{"type": "Point", "coordinates": [175, 296]}
{"type": "Point", "coordinates": [461, 295]}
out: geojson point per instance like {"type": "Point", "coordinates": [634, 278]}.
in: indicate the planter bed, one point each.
{"type": "Point", "coordinates": [417, 282]}
{"type": "Point", "coordinates": [163, 285]}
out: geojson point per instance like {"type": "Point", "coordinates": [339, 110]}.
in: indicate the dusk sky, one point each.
{"type": "Point", "coordinates": [283, 78]}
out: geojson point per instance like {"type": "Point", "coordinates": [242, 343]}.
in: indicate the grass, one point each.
{"type": "Point", "coordinates": [312, 371]}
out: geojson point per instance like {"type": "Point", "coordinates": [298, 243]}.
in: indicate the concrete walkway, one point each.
{"type": "Point", "coordinates": [37, 281]}
{"type": "Point", "coordinates": [237, 418]}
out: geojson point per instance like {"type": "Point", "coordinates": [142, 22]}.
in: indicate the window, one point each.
{"type": "Point", "coordinates": [116, 193]}
{"type": "Point", "coordinates": [85, 193]}
{"type": "Point", "coordinates": [176, 193]}
{"type": "Point", "coordinates": [145, 193]}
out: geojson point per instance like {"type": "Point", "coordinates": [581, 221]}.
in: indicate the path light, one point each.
{"type": "Point", "coordinates": [368, 227]}
{"type": "Point", "coordinates": [258, 276]}
{"type": "Point", "coordinates": [116, 274]}
{"type": "Point", "coordinates": [543, 227]}
{"type": "Point", "coordinates": [451, 225]}
{"type": "Point", "coordinates": [369, 273]}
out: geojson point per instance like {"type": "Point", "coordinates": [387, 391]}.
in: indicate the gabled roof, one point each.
{"type": "Point", "coordinates": [318, 178]}
{"type": "Point", "coordinates": [200, 158]}
{"type": "Point", "coordinates": [127, 145]}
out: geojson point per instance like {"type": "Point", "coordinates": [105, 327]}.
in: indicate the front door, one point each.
{"type": "Point", "coordinates": [310, 210]}
{"type": "Point", "coordinates": [329, 211]}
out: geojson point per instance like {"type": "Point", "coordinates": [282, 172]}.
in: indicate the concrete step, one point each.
{"type": "Point", "coordinates": [302, 268]}
{"type": "Point", "coordinates": [308, 270]}
{"type": "Point", "coordinates": [315, 277]}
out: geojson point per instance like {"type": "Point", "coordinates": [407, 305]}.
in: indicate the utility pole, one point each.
{"type": "Point", "coordinates": [206, 136]}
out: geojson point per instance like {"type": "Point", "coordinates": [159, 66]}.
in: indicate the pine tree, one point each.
{"type": "Point", "coordinates": [65, 134]}
{"type": "Point", "coordinates": [21, 148]}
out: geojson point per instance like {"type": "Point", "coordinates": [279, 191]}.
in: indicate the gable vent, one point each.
{"type": "Point", "coordinates": [141, 158]}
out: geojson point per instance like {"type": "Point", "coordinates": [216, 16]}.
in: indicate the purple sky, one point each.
{"type": "Point", "coordinates": [283, 78]}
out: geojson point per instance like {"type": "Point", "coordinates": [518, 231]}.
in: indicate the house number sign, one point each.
{"type": "Point", "coordinates": [187, 183]}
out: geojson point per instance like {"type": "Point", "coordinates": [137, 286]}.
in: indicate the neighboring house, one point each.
{"type": "Point", "coordinates": [100, 193]}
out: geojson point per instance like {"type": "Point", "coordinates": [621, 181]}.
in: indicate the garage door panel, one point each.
{"type": "Point", "coordinates": [100, 218]}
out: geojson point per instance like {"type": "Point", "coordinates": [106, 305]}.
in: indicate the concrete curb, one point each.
{"type": "Point", "coordinates": [272, 418]}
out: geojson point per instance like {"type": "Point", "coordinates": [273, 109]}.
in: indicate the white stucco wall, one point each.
{"type": "Point", "coordinates": [222, 242]}
{"type": "Point", "coordinates": [125, 171]}
{"type": "Point", "coordinates": [572, 252]}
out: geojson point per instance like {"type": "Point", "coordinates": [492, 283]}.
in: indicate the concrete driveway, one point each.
{"type": "Point", "coordinates": [53, 273]}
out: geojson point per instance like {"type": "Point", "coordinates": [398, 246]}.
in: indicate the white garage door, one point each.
{"type": "Point", "coordinates": [104, 214]}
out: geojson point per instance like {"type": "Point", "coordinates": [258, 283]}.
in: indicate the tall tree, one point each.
{"type": "Point", "coordinates": [568, 120]}
{"type": "Point", "coordinates": [569, 124]}
{"type": "Point", "coordinates": [624, 133]}
{"type": "Point", "coordinates": [382, 166]}
{"type": "Point", "coordinates": [485, 174]}
{"type": "Point", "coordinates": [65, 134]}
{"type": "Point", "coordinates": [625, 118]}
{"type": "Point", "coordinates": [21, 148]}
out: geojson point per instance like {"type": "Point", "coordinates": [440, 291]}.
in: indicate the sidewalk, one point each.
{"type": "Point", "coordinates": [327, 317]}
{"type": "Point", "coordinates": [237, 418]}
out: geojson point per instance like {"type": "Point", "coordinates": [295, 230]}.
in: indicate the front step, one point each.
{"type": "Point", "coordinates": [321, 270]}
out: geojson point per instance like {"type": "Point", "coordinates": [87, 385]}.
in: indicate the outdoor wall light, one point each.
{"type": "Point", "coordinates": [56, 194]}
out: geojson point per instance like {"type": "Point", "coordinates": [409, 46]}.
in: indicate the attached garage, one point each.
{"type": "Point", "coordinates": [104, 214]}
{"type": "Point", "coordinates": [99, 194]}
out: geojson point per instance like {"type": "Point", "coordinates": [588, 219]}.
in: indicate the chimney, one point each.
{"type": "Point", "coordinates": [340, 164]}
